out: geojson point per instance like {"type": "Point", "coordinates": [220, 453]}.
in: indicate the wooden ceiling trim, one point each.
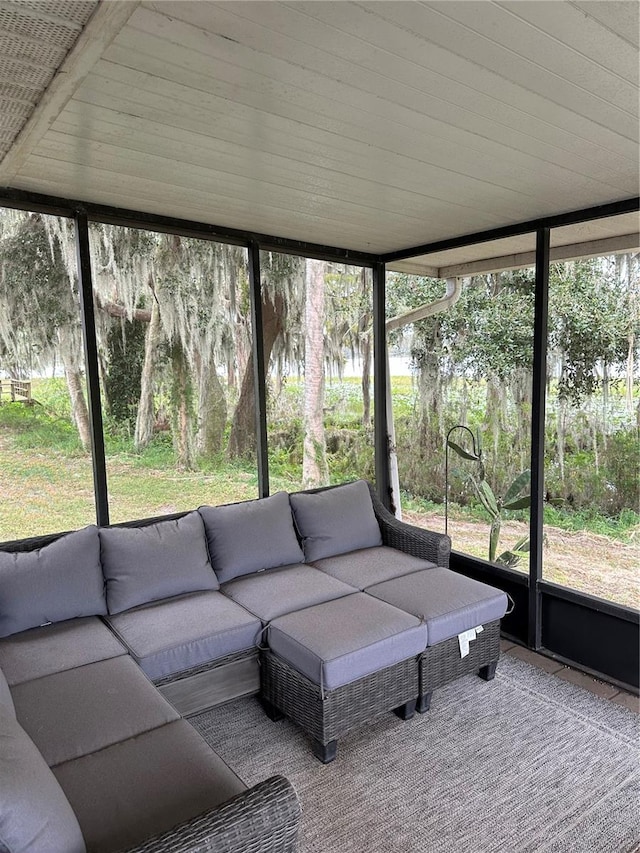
{"type": "Point", "coordinates": [103, 26]}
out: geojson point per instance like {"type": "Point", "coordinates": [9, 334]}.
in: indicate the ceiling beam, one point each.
{"type": "Point", "coordinates": [414, 267]}
{"type": "Point", "coordinates": [570, 252]}
{"type": "Point", "coordinates": [103, 26]}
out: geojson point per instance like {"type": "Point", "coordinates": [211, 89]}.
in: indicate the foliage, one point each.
{"type": "Point", "coordinates": [125, 345]}
{"type": "Point", "coordinates": [513, 499]}
{"type": "Point", "coordinates": [37, 299]}
{"type": "Point", "coordinates": [591, 320]}
{"type": "Point", "coordinates": [472, 365]}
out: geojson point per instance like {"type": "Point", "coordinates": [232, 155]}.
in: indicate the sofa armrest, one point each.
{"type": "Point", "coordinates": [426, 544]}
{"type": "Point", "coordinates": [263, 819]}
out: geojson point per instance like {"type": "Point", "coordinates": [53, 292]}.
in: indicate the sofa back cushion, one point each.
{"type": "Point", "coordinates": [60, 581]}
{"type": "Point", "coordinates": [250, 536]}
{"type": "Point", "coordinates": [143, 564]}
{"type": "Point", "coordinates": [35, 815]}
{"type": "Point", "coordinates": [335, 521]}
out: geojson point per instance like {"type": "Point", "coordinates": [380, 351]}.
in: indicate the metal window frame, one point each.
{"type": "Point", "coordinates": [94, 402]}
{"type": "Point", "coordinates": [259, 369]}
{"type": "Point", "coordinates": [538, 419]}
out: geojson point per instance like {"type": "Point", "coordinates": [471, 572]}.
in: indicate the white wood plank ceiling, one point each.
{"type": "Point", "coordinates": [372, 126]}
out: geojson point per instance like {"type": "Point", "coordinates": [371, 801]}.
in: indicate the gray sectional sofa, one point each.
{"type": "Point", "coordinates": [110, 637]}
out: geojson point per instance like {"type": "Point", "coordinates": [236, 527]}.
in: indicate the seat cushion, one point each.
{"type": "Point", "coordinates": [278, 591]}
{"type": "Point", "coordinates": [144, 786]}
{"type": "Point", "coordinates": [343, 640]}
{"type": "Point", "coordinates": [250, 536]}
{"type": "Point", "coordinates": [143, 564]}
{"type": "Point", "coordinates": [35, 815]}
{"type": "Point", "coordinates": [336, 520]}
{"type": "Point", "coordinates": [6, 699]}
{"type": "Point", "coordinates": [62, 580]}
{"type": "Point", "coordinates": [448, 602]}
{"type": "Point", "coordinates": [53, 648]}
{"type": "Point", "coordinates": [180, 633]}
{"type": "Point", "coordinates": [82, 710]}
{"type": "Point", "coordinates": [368, 566]}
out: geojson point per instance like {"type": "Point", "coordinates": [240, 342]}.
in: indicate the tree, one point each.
{"type": "Point", "coordinates": [484, 340]}
{"type": "Point", "coordinates": [586, 333]}
{"type": "Point", "coordinates": [315, 471]}
{"type": "Point", "coordinates": [187, 292]}
{"type": "Point", "coordinates": [282, 295]}
{"type": "Point", "coordinates": [39, 302]}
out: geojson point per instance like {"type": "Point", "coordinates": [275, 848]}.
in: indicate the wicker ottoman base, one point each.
{"type": "Point", "coordinates": [440, 664]}
{"type": "Point", "coordinates": [326, 718]}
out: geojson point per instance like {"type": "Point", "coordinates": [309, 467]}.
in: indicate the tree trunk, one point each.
{"type": "Point", "coordinates": [430, 395]}
{"type": "Point", "coordinates": [145, 417]}
{"type": "Point", "coordinates": [562, 439]}
{"type": "Point", "coordinates": [365, 349]}
{"type": "Point", "coordinates": [69, 354]}
{"type": "Point", "coordinates": [242, 438]}
{"type": "Point", "coordinates": [212, 411]}
{"type": "Point", "coordinates": [605, 404]}
{"type": "Point", "coordinates": [315, 471]}
{"type": "Point", "coordinates": [630, 373]}
{"type": "Point", "coordinates": [493, 417]}
{"type": "Point", "coordinates": [181, 404]}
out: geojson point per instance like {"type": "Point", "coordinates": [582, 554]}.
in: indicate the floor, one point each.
{"type": "Point", "coordinates": [600, 688]}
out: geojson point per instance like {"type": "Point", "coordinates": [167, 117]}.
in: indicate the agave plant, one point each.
{"type": "Point", "coordinates": [517, 496]}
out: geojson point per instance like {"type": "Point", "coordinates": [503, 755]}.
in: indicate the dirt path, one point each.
{"type": "Point", "coordinates": [588, 562]}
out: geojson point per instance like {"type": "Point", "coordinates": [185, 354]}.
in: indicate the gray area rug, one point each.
{"type": "Point", "coordinates": [527, 763]}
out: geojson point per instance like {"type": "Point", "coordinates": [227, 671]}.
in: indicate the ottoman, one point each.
{"type": "Point", "coordinates": [337, 665]}
{"type": "Point", "coordinates": [462, 617]}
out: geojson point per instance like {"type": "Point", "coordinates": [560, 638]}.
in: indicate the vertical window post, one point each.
{"type": "Point", "coordinates": [383, 481]}
{"type": "Point", "coordinates": [259, 369]}
{"type": "Point", "coordinates": [91, 363]}
{"type": "Point", "coordinates": [540, 325]}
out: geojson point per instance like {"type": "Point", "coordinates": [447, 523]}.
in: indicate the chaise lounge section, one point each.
{"type": "Point", "coordinates": [93, 756]}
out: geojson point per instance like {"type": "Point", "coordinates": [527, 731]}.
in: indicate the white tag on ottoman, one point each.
{"type": "Point", "coordinates": [466, 637]}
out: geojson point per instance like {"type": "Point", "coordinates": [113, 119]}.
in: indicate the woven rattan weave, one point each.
{"type": "Point", "coordinates": [327, 718]}
{"type": "Point", "coordinates": [263, 819]}
{"type": "Point", "coordinates": [426, 544]}
{"type": "Point", "coordinates": [442, 663]}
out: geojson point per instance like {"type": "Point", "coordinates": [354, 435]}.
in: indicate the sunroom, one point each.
{"type": "Point", "coordinates": [251, 247]}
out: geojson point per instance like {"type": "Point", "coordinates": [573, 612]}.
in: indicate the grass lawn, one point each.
{"type": "Point", "coordinates": [47, 487]}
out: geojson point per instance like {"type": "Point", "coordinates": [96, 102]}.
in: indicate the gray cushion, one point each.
{"type": "Point", "coordinates": [177, 634]}
{"type": "Point", "coordinates": [158, 561]}
{"type": "Point", "coordinates": [61, 581]}
{"type": "Point", "coordinates": [448, 602]}
{"type": "Point", "coordinates": [368, 566]}
{"type": "Point", "coordinates": [336, 520]}
{"type": "Point", "coordinates": [53, 648]}
{"type": "Point", "coordinates": [279, 591]}
{"type": "Point", "coordinates": [35, 815]}
{"type": "Point", "coordinates": [144, 786]}
{"type": "Point", "coordinates": [6, 700]}
{"type": "Point", "coordinates": [343, 640]}
{"type": "Point", "coordinates": [82, 710]}
{"type": "Point", "coordinates": [249, 536]}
